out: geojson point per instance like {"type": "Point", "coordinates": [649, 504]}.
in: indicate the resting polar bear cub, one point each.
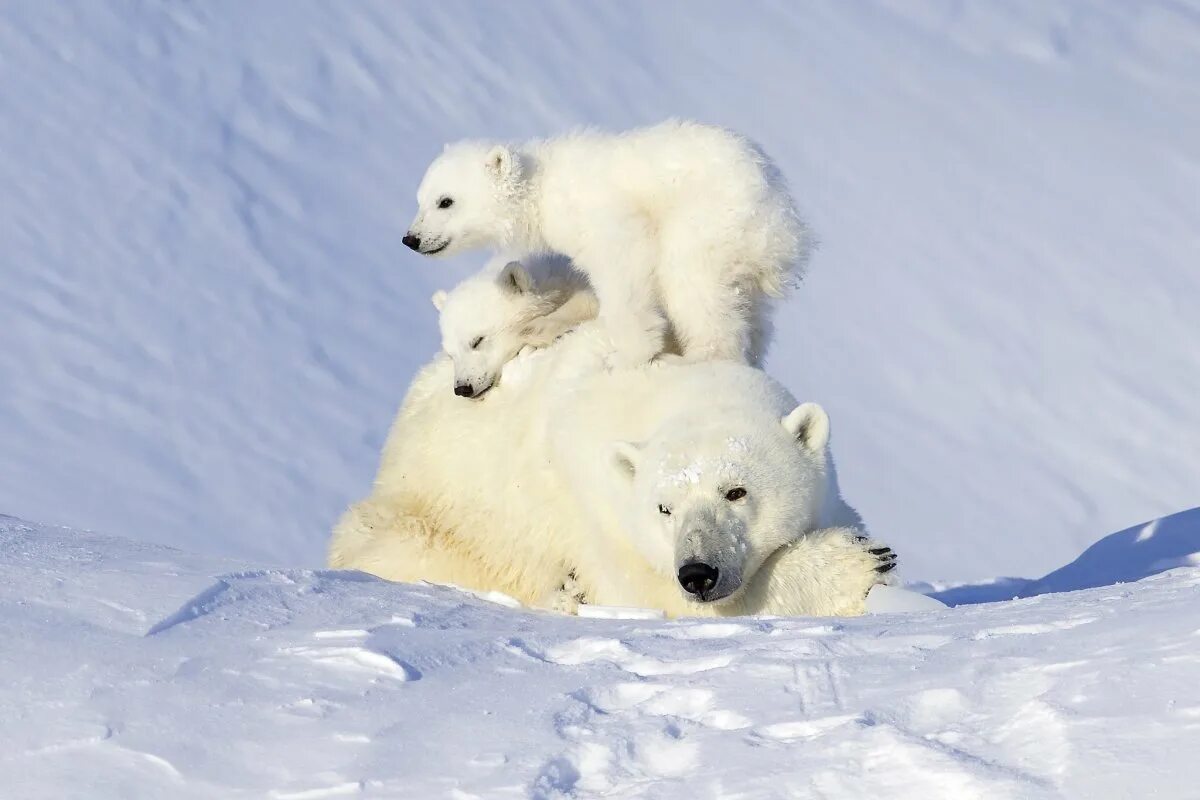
{"type": "Point", "coordinates": [682, 219]}
{"type": "Point", "coordinates": [515, 491]}
{"type": "Point", "coordinates": [508, 306]}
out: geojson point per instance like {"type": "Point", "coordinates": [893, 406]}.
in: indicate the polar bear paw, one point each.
{"type": "Point", "coordinates": [631, 345]}
{"type": "Point", "coordinates": [884, 556]}
{"type": "Point", "coordinates": [567, 599]}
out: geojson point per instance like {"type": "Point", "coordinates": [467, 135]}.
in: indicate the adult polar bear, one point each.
{"type": "Point", "coordinates": [680, 218]}
{"type": "Point", "coordinates": [515, 491]}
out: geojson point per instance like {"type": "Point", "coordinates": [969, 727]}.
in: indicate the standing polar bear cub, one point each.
{"type": "Point", "coordinates": [678, 222]}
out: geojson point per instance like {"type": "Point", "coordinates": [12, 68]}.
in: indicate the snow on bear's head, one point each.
{"type": "Point", "coordinates": [465, 201]}
{"type": "Point", "coordinates": [483, 322]}
{"type": "Point", "coordinates": [715, 497]}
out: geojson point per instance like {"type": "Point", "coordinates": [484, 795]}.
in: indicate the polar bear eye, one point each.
{"type": "Point", "coordinates": [445, 202]}
{"type": "Point", "coordinates": [666, 512]}
{"type": "Point", "coordinates": [735, 494]}
{"type": "Point", "coordinates": [478, 340]}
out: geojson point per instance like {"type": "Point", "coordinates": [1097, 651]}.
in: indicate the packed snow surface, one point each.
{"type": "Point", "coordinates": [208, 317]}
{"type": "Point", "coordinates": [135, 671]}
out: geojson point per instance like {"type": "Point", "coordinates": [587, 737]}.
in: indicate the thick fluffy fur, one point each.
{"type": "Point", "coordinates": [516, 491]}
{"type": "Point", "coordinates": [678, 222]}
{"type": "Point", "coordinates": [508, 306]}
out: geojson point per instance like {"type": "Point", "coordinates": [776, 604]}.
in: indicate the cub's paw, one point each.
{"type": "Point", "coordinates": [630, 347]}
{"type": "Point", "coordinates": [540, 333]}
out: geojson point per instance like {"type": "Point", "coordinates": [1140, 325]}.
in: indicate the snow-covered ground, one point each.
{"type": "Point", "coordinates": [207, 317]}
{"type": "Point", "coordinates": [134, 671]}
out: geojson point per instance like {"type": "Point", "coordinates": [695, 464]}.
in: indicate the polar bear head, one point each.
{"type": "Point", "coordinates": [484, 323]}
{"type": "Point", "coordinates": [714, 498]}
{"type": "Point", "coordinates": [467, 199]}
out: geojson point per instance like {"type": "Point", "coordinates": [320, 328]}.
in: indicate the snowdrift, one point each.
{"type": "Point", "coordinates": [1128, 555]}
{"type": "Point", "coordinates": [135, 671]}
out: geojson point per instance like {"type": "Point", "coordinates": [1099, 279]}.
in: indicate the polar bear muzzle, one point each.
{"type": "Point", "coordinates": [698, 579]}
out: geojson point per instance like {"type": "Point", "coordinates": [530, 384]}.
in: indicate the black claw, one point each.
{"type": "Point", "coordinates": [886, 567]}
{"type": "Point", "coordinates": [880, 551]}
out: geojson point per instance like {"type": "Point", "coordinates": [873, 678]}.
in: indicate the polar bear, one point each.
{"type": "Point", "coordinates": [695, 476]}
{"type": "Point", "coordinates": [678, 222]}
{"type": "Point", "coordinates": [509, 305]}
{"type": "Point", "coordinates": [536, 482]}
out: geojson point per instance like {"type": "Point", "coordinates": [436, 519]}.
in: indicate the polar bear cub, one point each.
{"type": "Point", "coordinates": [493, 315]}
{"type": "Point", "coordinates": [677, 223]}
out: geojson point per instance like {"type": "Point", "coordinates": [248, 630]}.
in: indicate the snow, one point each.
{"type": "Point", "coordinates": [1127, 555]}
{"type": "Point", "coordinates": [209, 318]}
{"type": "Point", "coordinates": [884, 599]}
{"type": "Point", "coordinates": [136, 671]}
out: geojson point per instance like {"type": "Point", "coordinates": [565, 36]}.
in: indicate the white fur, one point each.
{"type": "Point", "coordinates": [680, 221]}
{"type": "Point", "coordinates": [493, 315]}
{"type": "Point", "coordinates": [516, 491]}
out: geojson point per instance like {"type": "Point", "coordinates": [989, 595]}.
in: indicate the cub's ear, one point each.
{"type": "Point", "coordinates": [625, 457]}
{"type": "Point", "coordinates": [439, 299]}
{"type": "Point", "coordinates": [502, 161]}
{"type": "Point", "coordinates": [515, 278]}
{"type": "Point", "coordinates": [808, 425]}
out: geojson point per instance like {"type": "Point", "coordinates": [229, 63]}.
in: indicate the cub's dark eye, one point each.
{"type": "Point", "coordinates": [666, 512]}
{"type": "Point", "coordinates": [478, 340]}
{"type": "Point", "coordinates": [445, 202]}
{"type": "Point", "coordinates": [735, 494]}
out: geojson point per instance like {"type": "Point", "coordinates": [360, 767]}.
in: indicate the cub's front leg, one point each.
{"type": "Point", "coordinates": [622, 274]}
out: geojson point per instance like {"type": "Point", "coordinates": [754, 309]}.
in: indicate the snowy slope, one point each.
{"type": "Point", "coordinates": [135, 671]}
{"type": "Point", "coordinates": [1122, 557]}
{"type": "Point", "coordinates": [208, 318]}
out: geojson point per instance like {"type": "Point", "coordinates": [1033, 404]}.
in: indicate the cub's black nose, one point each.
{"type": "Point", "coordinates": [412, 242]}
{"type": "Point", "coordinates": [464, 390]}
{"type": "Point", "coordinates": [697, 578]}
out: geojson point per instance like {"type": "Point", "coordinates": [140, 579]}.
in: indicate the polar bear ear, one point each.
{"type": "Point", "coordinates": [515, 278]}
{"type": "Point", "coordinates": [502, 162]}
{"type": "Point", "coordinates": [626, 456]}
{"type": "Point", "coordinates": [439, 299]}
{"type": "Point", "coordinates": [808, 425]}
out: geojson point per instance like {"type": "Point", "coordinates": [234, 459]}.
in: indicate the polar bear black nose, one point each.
{"type": "Point", "coordinates": [412, 242]}
{"type": "Point", "coordinates": [464, 390]}
{"type": "Point", "coordinates": [697, 577]}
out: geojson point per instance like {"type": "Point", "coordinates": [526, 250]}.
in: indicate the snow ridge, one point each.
{"type": "Point", "coordinates": [250, 682]}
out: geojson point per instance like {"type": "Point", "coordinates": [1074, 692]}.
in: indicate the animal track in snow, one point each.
{"type": "Point", "coordinates": [664, 700]}
{"type": "Point", "coordinates": [589, 649]}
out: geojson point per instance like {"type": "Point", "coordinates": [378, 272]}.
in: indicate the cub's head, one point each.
{"type": "Point", "coordinates": [483, 321]}
{"type": "Point", "coordinates": [465, 201]}
{"type": "Point", "coordinates": [714, 498]}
